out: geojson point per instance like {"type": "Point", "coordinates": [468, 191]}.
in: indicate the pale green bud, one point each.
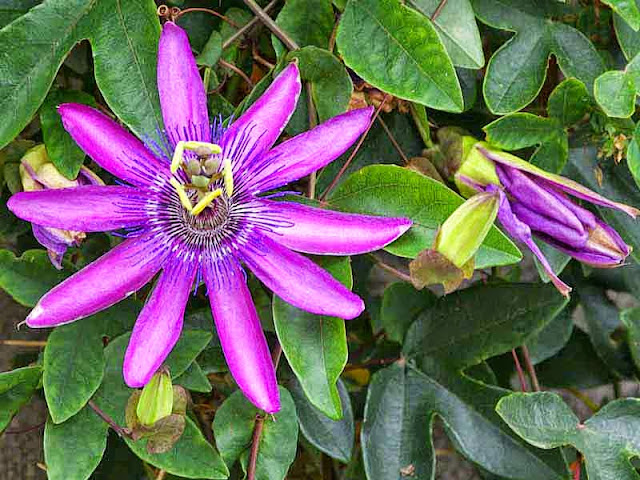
{"type": "Point", "coordinates": [156, 400]}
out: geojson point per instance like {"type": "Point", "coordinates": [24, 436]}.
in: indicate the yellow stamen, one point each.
{"type": "Point", "coordinates": [228, 177]}
{"type": "Point", "coordinates": [177, 157]}
{"type": "Point", "coordinates": [182, 194]}
{"type": "Point", "coordinates": [206, 200]}
{"type": "Point", "coordinates": [178, 154]}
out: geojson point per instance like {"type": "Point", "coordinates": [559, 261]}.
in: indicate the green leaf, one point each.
{"type": "Point", "coordinates": [397, 192]}
{"type": "Point", "coordinates": [619, 186]}
{"type": "Point", "coordinates": [73, 449]}
{"type": "Point", "coordinates": [233, 426]}
{"type": "Point", "coordinates": [569, 102]}
{"type": "Point", "coordinates": [16, 388]}
{"type": "Point", "coordinates": [212, 50]}
{"type": "Point", "coordinates": [552, 338]}
{"type": "Point", "coordinates": [63, 151]}
{"type": "Point", "coordinates": [521, 130]}
{"type": "Point", "coordinates": [607, 440]}
{"type": "Point", "coordinates": [29, 277]}
{"type": "Point", "coordinates": [633, 155]}
{"type": "Point", "coordinates": [191, 457]}
{"type": "Point", "coordinates": [628, 10]}
{"type": "Point", "coordinates": [188, 347]}
{"type": "Point", "coordinates": [517, 70]}
{"type": "Point", "coordinates": [307, 22]}
{"type": "Point", "coordinates": [74, 360]}
{"type": "Point", "coordinates": [459, 331]}
{"type": "Point", "coordinates": [401, 304]}
{"type": "Point", "coordinates": [194, 379]}
{"type": "Point", "coordinates": [124, 37]}
{"type": "Point", "coordinates": [616, 94]}
{"type": "Point", "coordinates": [458, 30]}
{"type": "Point", "coordinates": [12, 9]}
{"type": "Point", "coordinates": [333, 437]}
{"type": "Point", "coordinates": [631, 320]}
{"type": "Point", "coordinates": [628, 38]}
{"type": "Point", "coordinates": [316, 345]}
{"type": "Point", "coordinates": [399, 51]}
{"type": "Point", "coordinates": [331, 85]}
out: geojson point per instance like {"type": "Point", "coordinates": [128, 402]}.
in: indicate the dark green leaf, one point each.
{"type": "Point", "coordinates": [633, 155]}
{"type": "Point", "coordinates": [73, 449]}
{"type": "Point", "coordinates": [211, 52]}
{"type": "Point", "coordinates": [16, 388]}
{"type": "Point", "coordinates": [552, 338]}
{"type": "Point", "coordinates": [61, 148]}
{"type": "Point", "coordinates": [335, 438]}
{"type": "Point", "coordinates": [12, 9]}
{"type": "Point", "coordinates": [315, 345]}
{"type": "Point", "coordinates": [28, 277]}
{"type": "Point", "coordinates": [307, 22]}
{"type": "Point", "coordinates": [628, 38]}
{"type": "Point", "coordinates": [233, 426]}
{"type": "Point", "coordinates": [615, 93]}
{"type": "Point", "coordinates": [631, 320]}
{"type": "Point", "coordinates": [569, 102]}
{"type": "Point", "coordinates": [607, 440]}
{"type": "Point", "coordinates": [521, 130]}
{"type": "Point", "coordinates": [189, 346]}
{"type": "Point", "coordinates": [628, 10]}
{"type": "Point", "coordinates": [194, 379]}
{"type": "Point", "coordinates": [399, 51]}
{"type": "Point", "coordinates": [401, 304]}
{"type": "Point", "coordinates": [393, 191]}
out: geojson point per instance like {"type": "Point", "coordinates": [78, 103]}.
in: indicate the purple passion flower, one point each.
{"type": "Point", "coordinates": [38, 173]}
{"type": "Point", "coordinates": [536, 203]}
{"type": "Point", "coordinates": [195, 213]}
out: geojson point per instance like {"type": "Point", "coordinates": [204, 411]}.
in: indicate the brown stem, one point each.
{"type": "Point", "coordinates": [24, 343]}
{"type": "Point", "coordinates": [355, 151]}
{"type": "Point", "coordinates": [394, 271]}
{"type": "Point", "coordinates": [161, 475]}
{"type": "Point", "coordinates": [393, 140]}
{"type": "Point", "coordinates": [209, 11]}
{"type": "Point", "coordinates": [276, 355]}
{"type": "Point", "coordinates": [332, 38]}
{"type": "Point", "coordinates": [516, 360]}
{"type": "Point", "coordinates": [438, 10]}
{"type": "Point", "coordinates": [231, 66]}
{"type": "Point", "coordinates": [244, 29]}
{"type": "Point", "coordinates": [271, 25]}
{"type": "Point", "coordinates": [530, 369]}
{"type": "Point", "coordinates": [313, 121]}
{"type": "Point", "coordinates": [255, 444]}
{"type": "Point", "coordinates": [25, 430]}
{"type": "Point", "coordinates": [122, 432]}
{"type": "Point", "coordinates": [259, 59]}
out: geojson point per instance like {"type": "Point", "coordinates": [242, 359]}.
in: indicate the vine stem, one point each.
{"type": "Point", "coordinates": [122, 432]}
{"type": "Point", "coordinates": [271, 25]}
{"type": "Point", "coordinates": [209, 11]}
{"type": "Point", "coordinates": [24, 343]}
{"type": "Point", "coordinates": [438, 10]}
{"type": "Point", "coordinates": [516, 360]}
{"type": "Point", "coordinates": [355, 150]}
{"type": "Point", "coordinates": [393, 140]}
{"type": "Point", "coordinates": [394, 271]}
{"type": "Point", "coordinates": [231, 66]}
{"type": "Point", "coordinates": [244, 29]}
{"type": "Point", "coordinates": [530, 369]}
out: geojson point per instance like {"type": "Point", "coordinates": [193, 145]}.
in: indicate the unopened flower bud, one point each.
{"type": "Point", "coordinates": [156, 400]}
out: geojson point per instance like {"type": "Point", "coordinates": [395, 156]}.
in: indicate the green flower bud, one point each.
{"type": "Point", "coordinates": [156, 400]}
{"type": "Point", "coordinates": [475, 167]}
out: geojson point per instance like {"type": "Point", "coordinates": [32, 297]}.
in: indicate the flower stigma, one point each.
{"type": "Point", "coordinates": [202, 171]}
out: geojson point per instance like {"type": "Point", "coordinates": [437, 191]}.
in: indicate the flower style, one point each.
{"type": "Point", "coordinates": [192, 212]}
{"type": "Point", "coordinates": [535, 202]}
{"type": "Point", "coordinates": [38, 173]}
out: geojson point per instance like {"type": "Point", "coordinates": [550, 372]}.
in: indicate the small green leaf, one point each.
{"type": "Point", "coordinates": [631, 320]}
{"type": "Point", "coordinates": [616, 94]}
{"type": "Point", "coordinates": [333, 437]}
{"type": "Point", "coordinates": [29, 277]}
{"type": "Point", "coordinates": [194, 379]}
{"type": "Point", "coordinates": [607, 440]}
{"type": "Point", "coordinates": [307, 22]}
{"type": "Point", "coordinates": [521, 130]}
{"type": "Point", "coordinates": [16, 388]}
{"type": "Point", "coordinates": [401, 304]}
{"type": "Point", "coordinates": [569, 102]}
{"type": "Point", "coordinates": [397, 192]}
{"type": "Point", "coordinates": [552, 338]}
{"type": "Point", "coordinates": [399, 51]}
{"type": "Point", "coordinates": [315, 345]}
{"type": "Point", "coordinates": [234, 423]}
{"type": "Point", "coordinates": [633, 155]}
{"type": "Point", "coordinates": [189, 346]}
{"type": "Point", "coordinates": [628, 10]}
{"type": "Point", "coordinates": [61, 148]}
{"type": "Point", "coordinates": [211, 52]}
{"type": "Point", "coordinates": [73, 449]}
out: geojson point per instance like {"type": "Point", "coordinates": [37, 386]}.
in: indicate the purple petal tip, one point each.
{"type": "Point", "coordinates": [35, 318]}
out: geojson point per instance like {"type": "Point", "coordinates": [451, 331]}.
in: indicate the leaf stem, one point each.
{"type": "Point", "coordinates": [393, 140]}
{"type": "Point", "coordinates": [122, 432]}
{"type": "Point", "coordinates": [394, 271]}
{"type": "Point", "coordinates": [24, 343]}
{"type": "Point", "coordinates": [271, 25]}
{"type": "Point", "coordinates": [231, 66]}
{"type": "Point", "coordinates": [255, 445]}
{"type": "Point", "coordinates": [419, 115]}
{"type": "Point", "coordinates": [530, 369]}
{"type": "Point", "coordinates": [438, 10]}
{"type": "Point", "coordinates": [355, 150]}
{"type": "Point", "coordinates": [244, 29]}
{"type": "Point", "coordinates": [516, 360]}
{"type": "Point", "coordinates": [209, 11]}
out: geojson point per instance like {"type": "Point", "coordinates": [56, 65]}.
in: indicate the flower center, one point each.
{"type": "Point", "coordinates": [206, 172]}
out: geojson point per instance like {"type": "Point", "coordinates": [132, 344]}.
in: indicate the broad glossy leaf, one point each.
{"type": "Point", "coordinates": [607, 440]}
{"type": "Point", "coordinates": [516, 72]}
{"type": "Point", "coordinates": [628, 38]}
{"type": "Point", "coordinates": [401, 304]}
{"type": "Point", "coordinates": [628, 10]}
{"type": "Point", "coordinates": [73, 449]}
{"type": "Point", "coordinates": [458, 30]}
{"type": "Point", "coordinates": [393, 191]}
{"type": "Point", "coordinates": [569, 102]}
{"type": "Point", "coordinates": [61, 148]}
{"type": "Point", "coordinates": [28, 277]}
{"type": "Point", "coordinates": [307, 22]}
{"type": "Point", "coordinates": [333, 437]}
{"type": "Point", "coordinates": [191, 457]}
{"type": "Point", "coordinates": [74, 360]}
{"type": "Point", "coordinates": [212, 50]}
{"type": "Point", "coordinates": [552, 338]}
{"type": "Point", "coordinates": [315, 345]}
{"type": "Point", "coordinates": [233, 426]}
{"type": "Point", "coordinates": [12, 9]}
{"type": "Point", "coordinates": [618, 186]}
{"type": "Point", "coordinates": [16, 388]}
{"type": "Point", "coordinates": [615, 93]}
{"type": "Point", "coordinates": [399, 51]}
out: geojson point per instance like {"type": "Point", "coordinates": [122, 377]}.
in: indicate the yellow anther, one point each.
{"type": "Point", "coordinates": [182, 194]}
{"type": "Point", "coordinates": [228, 177]}
{"type": "Point", "coordinates": [206, 200]}
{"type": "Point", "coordinates": [177, 157]}
{"type": "Point", "coordinates": [178, 154]}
